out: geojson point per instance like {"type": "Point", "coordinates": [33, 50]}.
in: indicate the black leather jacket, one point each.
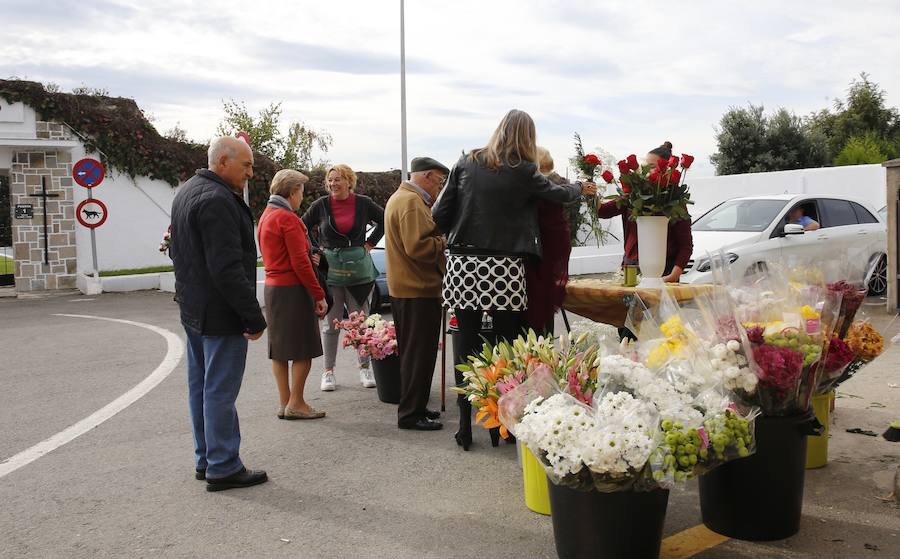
{"type": "Point", "coordinates": [214, 253]}
{"type": "Point", "coordinates": [494, 210]}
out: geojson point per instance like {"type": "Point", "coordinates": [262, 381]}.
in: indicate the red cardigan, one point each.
{"type": "Point", "coordinates": [679, 244]}
{"type": "Point", "coordinates": [284, 244]}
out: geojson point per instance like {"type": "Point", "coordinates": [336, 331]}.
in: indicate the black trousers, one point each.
{"type": "Point", "coordinates": [418, 324]}
{"type": "Point", "coordinates": [507, 325]}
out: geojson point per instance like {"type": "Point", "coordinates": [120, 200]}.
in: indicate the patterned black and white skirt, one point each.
{"type": "Point", "coordinates": [487, 283]}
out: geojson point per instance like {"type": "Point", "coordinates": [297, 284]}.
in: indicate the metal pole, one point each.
{"type": "Point", "coordinates": [94, 241]}
{"type": "Point", "coordinates": [443, 358]}
{"type": "Point", "coordinates": [403, 175]}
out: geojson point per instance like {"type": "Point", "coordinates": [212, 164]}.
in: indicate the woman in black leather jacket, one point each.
{"type": "Point", "coordinates": [488, 212]}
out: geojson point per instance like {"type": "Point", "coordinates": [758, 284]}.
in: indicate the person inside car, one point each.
{"type": "Point", "coordinates": [798, 217]}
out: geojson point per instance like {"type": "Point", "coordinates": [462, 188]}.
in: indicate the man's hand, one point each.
{"type": "Point", "coordinates": [254, 337]}
{"type": "Point", "coordinates": [588, 188]}
{"type": "Point", "coordinates": [321, 308]}
{"type": "Point", "coordinates": [369, 247]}
{"type": "Point", "coordinates": [316, 258]}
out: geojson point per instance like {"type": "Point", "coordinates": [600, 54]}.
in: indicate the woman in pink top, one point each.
{"type": "Point", "coordinates": [294, 298]}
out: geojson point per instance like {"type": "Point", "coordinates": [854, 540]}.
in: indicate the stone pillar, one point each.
{"type": "Point", "coordinates": [893, 200]}
{"type": "Point", "coordinates": [28, 166]}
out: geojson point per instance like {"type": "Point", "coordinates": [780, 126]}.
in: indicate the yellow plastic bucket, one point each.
{"type": "Point", "coordinates": [817, 446]}
{"type": "Point", "coordinates": [537, 496]}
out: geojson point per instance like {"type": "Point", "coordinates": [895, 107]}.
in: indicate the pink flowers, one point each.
{"type": "Point", "coordinates": [579, 380]}
{"type": "Point", "coordinates": [370, 336]}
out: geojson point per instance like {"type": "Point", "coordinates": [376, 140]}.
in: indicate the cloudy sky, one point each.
{"type": "Point", "coordinates": [625, 74]}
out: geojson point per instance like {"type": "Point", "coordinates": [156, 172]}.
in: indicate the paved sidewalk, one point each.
{"type": "Point", "coordinates": [351, 485]}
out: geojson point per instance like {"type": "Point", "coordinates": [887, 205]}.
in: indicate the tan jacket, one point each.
{"type": "Point", "coordinates": [414, 248]}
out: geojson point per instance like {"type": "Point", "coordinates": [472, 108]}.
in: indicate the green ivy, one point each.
{"type": "Point", "coordinates": [116, 128]}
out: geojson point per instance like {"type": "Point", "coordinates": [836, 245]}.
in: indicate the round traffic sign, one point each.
{"type": "Point", "coordinates": [88, 172]}
{"type": "Point", "coordinates": [91, 213]}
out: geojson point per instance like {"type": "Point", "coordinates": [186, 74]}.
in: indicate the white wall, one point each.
{"type": "Point", "coordinates": [17, 120]}
{"type": "Point", "coordinates": [866, 182]}
{"type": "Point", "coordinates": [138, 218]}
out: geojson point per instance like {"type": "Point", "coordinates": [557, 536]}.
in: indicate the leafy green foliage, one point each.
{"type": "Point", "coordinates": [864, 114]}
{"type": "Point", "coordinates": [293, 151]}
{"type": "Point", "coordinates": [861, 150]}
{"type": "Point", "coordinates": [861, 129]}
{"type": "Point", "coordinates": [127, 142]}
{"type": "Point", "coordinates": [751, 142]}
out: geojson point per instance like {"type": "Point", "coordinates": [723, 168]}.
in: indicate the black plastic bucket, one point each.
{"type": "Point", "coordinates": [387, 378]}
{"type": "Point", "coordinates": [623, 524]}
{"type": "Point", "coordinates": [760, 498]}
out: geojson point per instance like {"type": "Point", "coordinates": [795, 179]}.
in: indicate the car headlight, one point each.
{"type": "Point", "coordinates": [705, 265]}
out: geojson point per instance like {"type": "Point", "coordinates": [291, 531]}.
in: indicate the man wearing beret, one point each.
{"type": "Point", "coordinates": [414, 253]}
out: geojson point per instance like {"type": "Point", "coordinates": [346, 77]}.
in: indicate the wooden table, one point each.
{"type": "Point", "coordinates": [607, 302]}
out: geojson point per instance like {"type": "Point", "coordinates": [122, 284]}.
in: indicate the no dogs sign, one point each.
{"type": "Point", "coordinates": [91, 213]}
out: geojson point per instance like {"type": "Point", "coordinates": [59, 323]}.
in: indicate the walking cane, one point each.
{"type": "Point", "coordinates": [443, 358]}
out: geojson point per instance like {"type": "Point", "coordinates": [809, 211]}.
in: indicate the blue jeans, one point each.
{"type": "Point", "coordinates": [215, 371]}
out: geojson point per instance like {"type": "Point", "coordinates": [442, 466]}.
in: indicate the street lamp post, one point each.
{"type": "Point", "coordinates": [404, 175]}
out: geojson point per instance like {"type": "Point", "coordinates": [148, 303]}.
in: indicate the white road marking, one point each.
{"type": "Point", "coordinates": [174, 352]}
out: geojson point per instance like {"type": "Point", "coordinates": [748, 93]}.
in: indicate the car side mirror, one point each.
{"type": "Point", "coordinates": [793, 229]}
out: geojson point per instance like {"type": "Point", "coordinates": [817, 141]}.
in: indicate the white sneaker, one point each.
{"type": "Point", "coordinates": [328, 384]}
{"type": "Point", "coordinates": [367, 378]}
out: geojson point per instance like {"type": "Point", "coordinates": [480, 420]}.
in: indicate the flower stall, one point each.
{"type": "Point", "coordinates": [717, 387]}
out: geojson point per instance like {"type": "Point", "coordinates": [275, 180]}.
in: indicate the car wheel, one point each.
{"type": "Point", "coordinates": [375, 303]}
{"type": "Point", "coordinates": [879, 279]}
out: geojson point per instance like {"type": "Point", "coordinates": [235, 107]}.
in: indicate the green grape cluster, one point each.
{"type": "Point", "coordinates": [728, 433]}
{"type": "Point", "coordinates": [678, 453]}
{"type": "Point", "coordinates": [798, 341]}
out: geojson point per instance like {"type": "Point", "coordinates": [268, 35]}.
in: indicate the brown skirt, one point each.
{"type": "Point", "coordinates": [293, 330]}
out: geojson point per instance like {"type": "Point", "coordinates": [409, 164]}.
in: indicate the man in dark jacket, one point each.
{"type": "Point", "coordinates": [214, 253]}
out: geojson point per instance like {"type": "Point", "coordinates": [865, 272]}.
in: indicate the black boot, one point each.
{"type": "Point", "coordinates": [495, 436]}
{"type": "Point", "coordinates": [464, 435]}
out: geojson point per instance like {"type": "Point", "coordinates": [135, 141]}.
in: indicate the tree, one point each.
{"type": "Point", "coordinates": [293, 151]}
{"type": "Point", "coordinates": [177, 133]}
{"type": "Point", "coordinates": [861, 150]}
{"type": "Point", "coordinates": [863, 116]}
{"type": "Point", "coordinates": [751, 142]}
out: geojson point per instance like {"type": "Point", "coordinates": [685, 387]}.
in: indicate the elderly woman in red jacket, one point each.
{"type": "Point", "coordinates": [680, 242]}
{"type": "Point", "coordinates": [294, 298]}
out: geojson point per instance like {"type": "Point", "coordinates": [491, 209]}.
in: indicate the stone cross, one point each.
{"type": "Point", "coordinates": [44, 195]}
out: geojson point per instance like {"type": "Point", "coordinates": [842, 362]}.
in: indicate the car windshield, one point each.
{"type": "Point", "coordinates": [740, 215]}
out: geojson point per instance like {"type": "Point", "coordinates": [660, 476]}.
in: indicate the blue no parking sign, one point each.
{"type": "Point", "coordinates": [88, 172]}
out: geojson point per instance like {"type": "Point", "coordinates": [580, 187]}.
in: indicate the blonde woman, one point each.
{"type": "Point", "coordinates": [340, 221]}
{"type": "Point", "coordinates": [294, 298]}
{"type": "Point", "coordinates": [488, 212]}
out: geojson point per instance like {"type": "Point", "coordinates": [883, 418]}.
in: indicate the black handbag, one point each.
{"type": "Point", "coordinates": [322, 277]}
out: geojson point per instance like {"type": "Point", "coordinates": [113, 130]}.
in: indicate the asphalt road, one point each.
{"type": "Point", "coordinates": [352, 485]}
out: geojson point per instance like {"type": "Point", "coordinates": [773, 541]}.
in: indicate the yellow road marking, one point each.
{"type": "Point", "coordinates": [690, 542]}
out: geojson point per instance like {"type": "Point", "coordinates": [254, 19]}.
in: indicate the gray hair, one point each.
{"type": "Point", "coordinates": [223, 145]}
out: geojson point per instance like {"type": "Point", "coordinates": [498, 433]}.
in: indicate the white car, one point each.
{"type": "Point", "coordinates": [753, 232]}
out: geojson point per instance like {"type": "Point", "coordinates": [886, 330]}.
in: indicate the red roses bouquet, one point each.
{"type": "Point", "coordinates": [653, 190]}
{"type": "Point", "coordinates": [591, 165]}
{"type": "Point", "coordinates": [586, 164]}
